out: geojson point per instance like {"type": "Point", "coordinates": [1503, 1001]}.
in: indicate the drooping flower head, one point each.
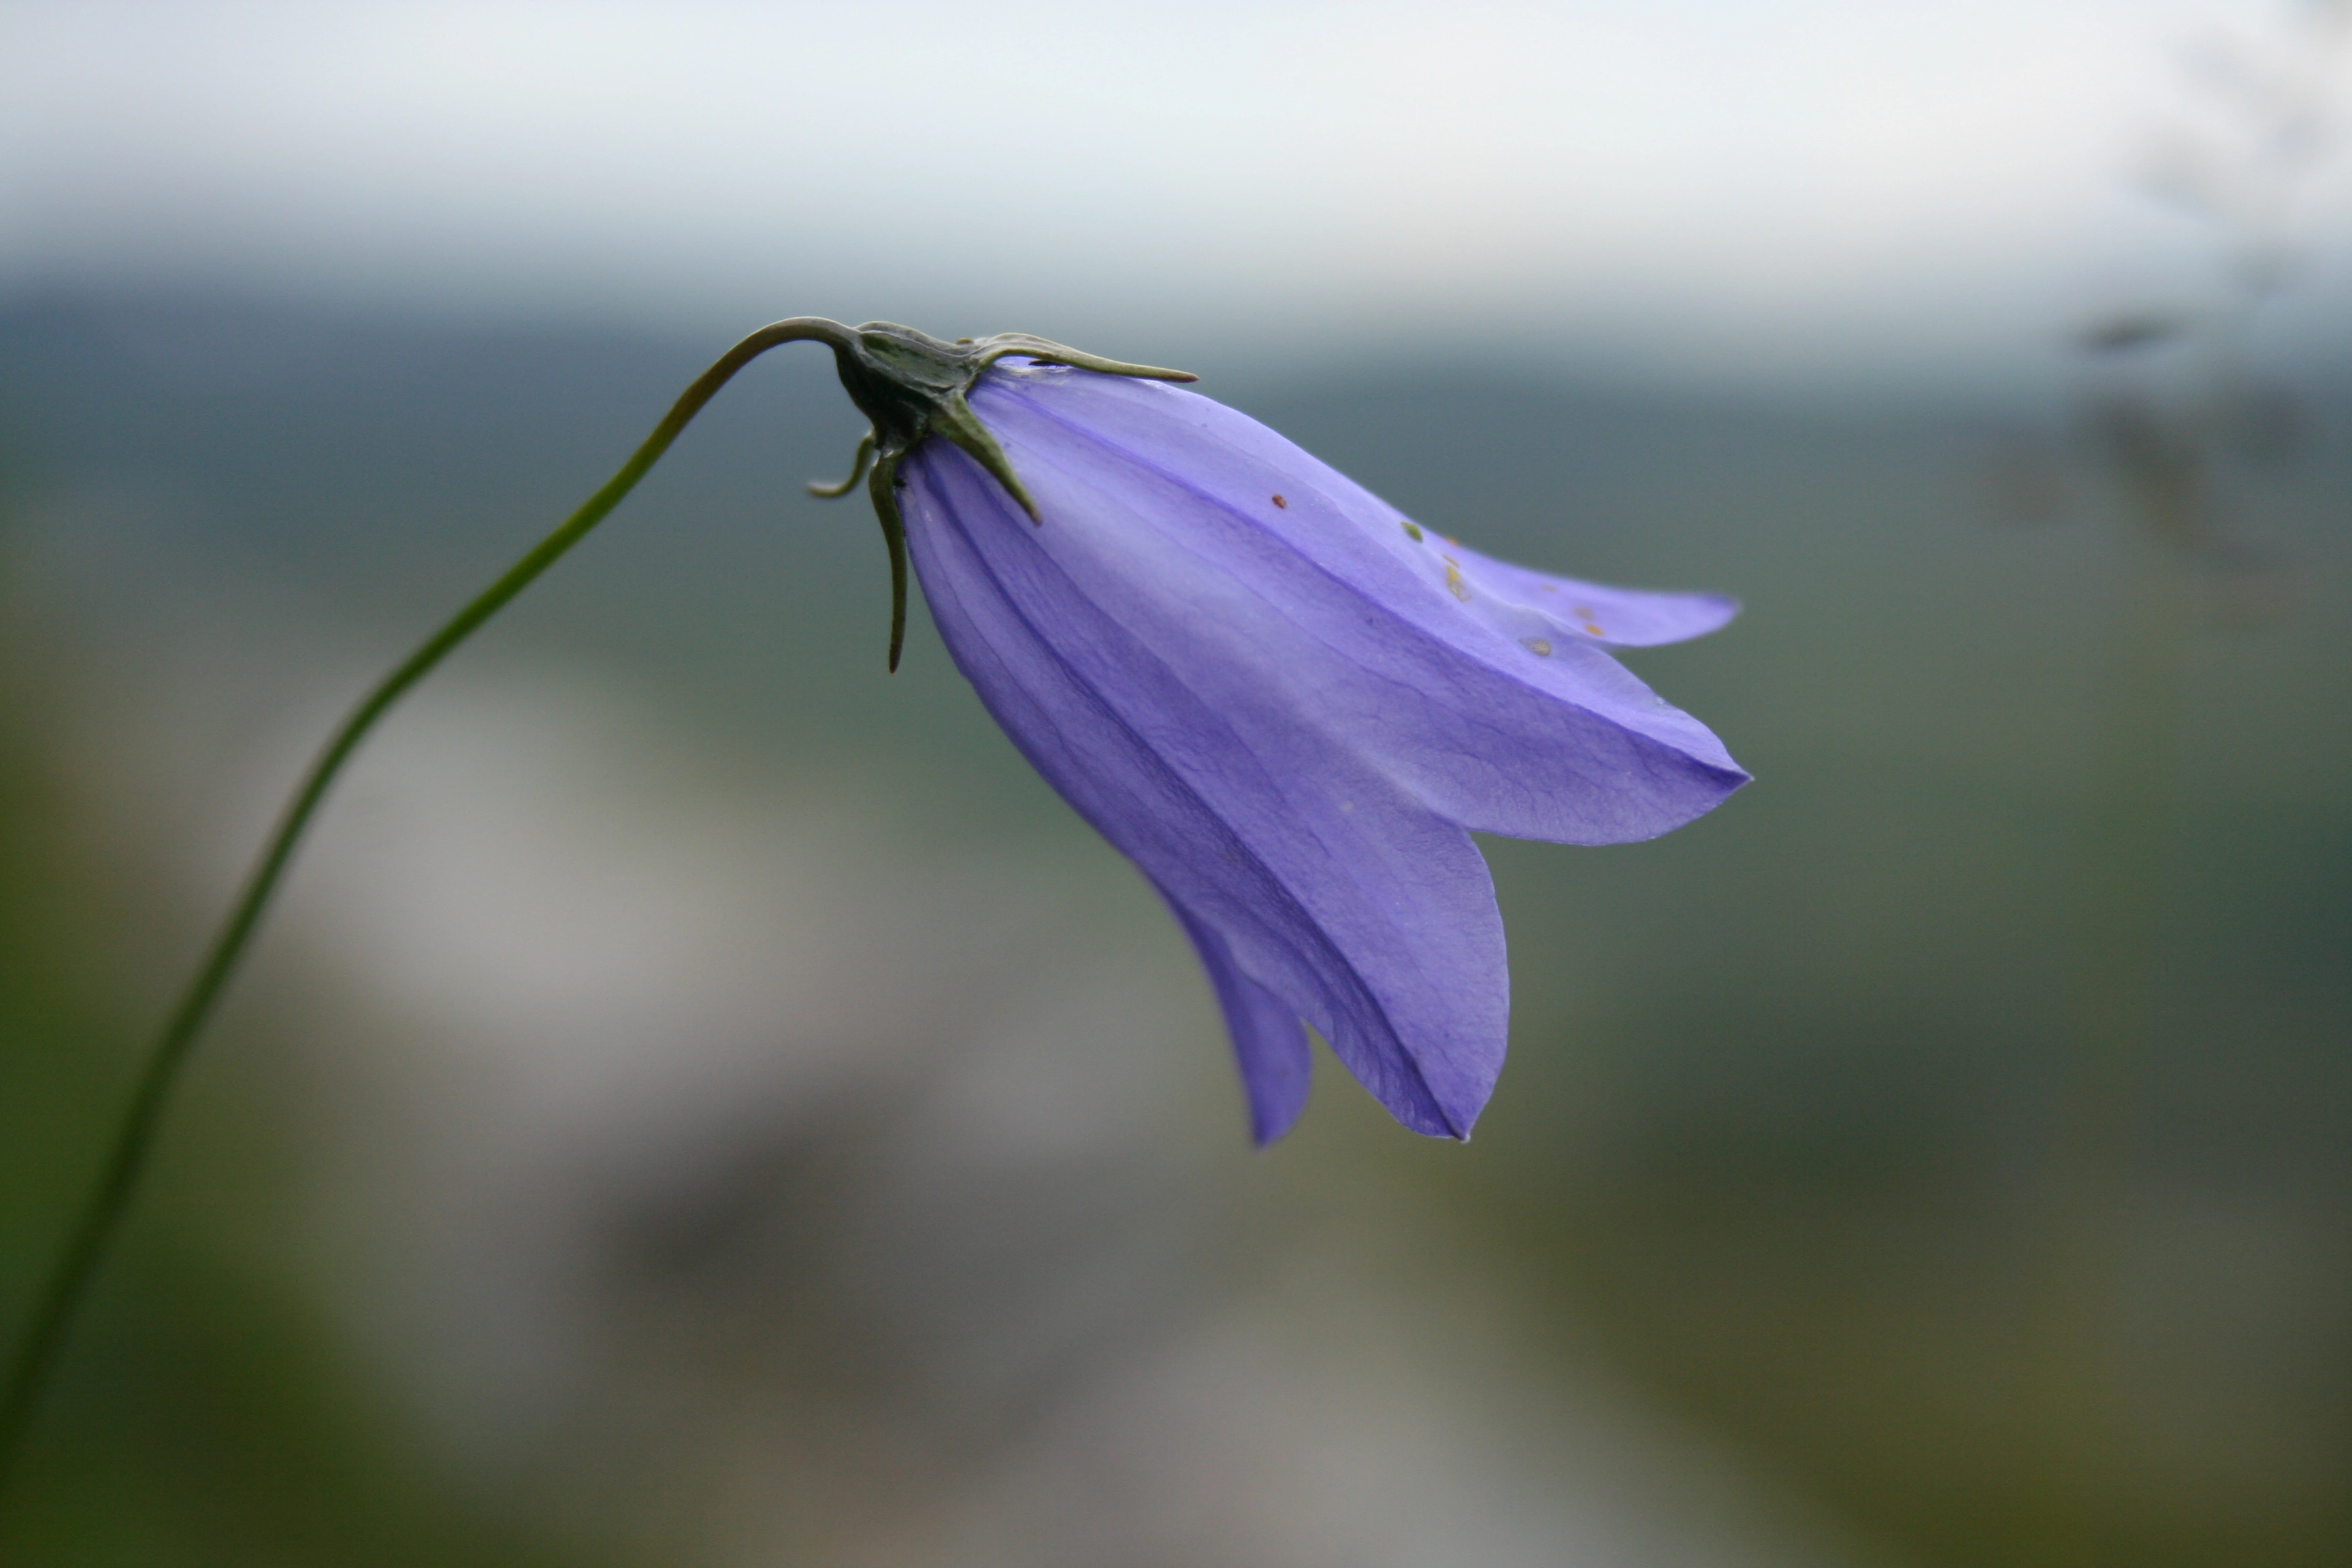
{"type": "Point", "coordinates": [1287, 702]}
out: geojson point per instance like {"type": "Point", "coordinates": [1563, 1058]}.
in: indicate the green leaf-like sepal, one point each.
{"type": "Point", "coordinates": [913, 386]}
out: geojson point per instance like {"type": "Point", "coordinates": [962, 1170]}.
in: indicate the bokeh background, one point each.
{"type": "Point", "coordinates": [703, 1101]}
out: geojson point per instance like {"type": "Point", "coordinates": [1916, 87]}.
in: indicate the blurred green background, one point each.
{"type": "Point", "coordinates": [704, 1101]}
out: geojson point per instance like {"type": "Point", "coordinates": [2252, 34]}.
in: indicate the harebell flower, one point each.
{"type": "Point", "coordinates": [1289, 704]}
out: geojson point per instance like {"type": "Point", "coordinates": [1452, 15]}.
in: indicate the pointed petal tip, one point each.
{"type": "Point", "coordinates": [1733, 779]}
{"type": "Point", "coordinates": [1271, 1117]}
{"type": "Point", "coordinates": [1443, 1132]}
{"type": "Point", "coordinates": [1266, 1130]}
{"type": "Point", "coordinates": [1431, 1120]}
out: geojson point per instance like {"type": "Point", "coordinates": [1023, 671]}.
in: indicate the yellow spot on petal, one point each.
{"type": "Point", "coordinates": [1596, 631]}
{"type": "Point", "coordinates": [1539, 648]}
{"type": "Point", "coordinates": [1410, 529]}
{"type": "Point", "coordinates": [1453, 583]}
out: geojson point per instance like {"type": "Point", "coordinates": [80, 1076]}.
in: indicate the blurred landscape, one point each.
{"type": "Point", "coordinates": [704, 1101]}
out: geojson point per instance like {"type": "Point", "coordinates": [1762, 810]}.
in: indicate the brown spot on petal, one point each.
{"type": "Point", "coordinates": [1280, 502]}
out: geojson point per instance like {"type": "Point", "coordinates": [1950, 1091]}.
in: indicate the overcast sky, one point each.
{"type": "Point", "coordinates": [1706, 184]}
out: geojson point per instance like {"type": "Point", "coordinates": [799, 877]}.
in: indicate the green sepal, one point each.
{"type": "Point", "coordinates": [958, 424]}
{"type": "Point", "coordinates": [991, 349]}
{"type": "Point", "coordinates": [857, 472]}
{"type": "Point", "coordinates": [913, 388]}
{"type": "Point", "coordinates": [882, 484]}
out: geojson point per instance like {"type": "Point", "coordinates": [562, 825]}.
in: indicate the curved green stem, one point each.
{"type": "Point", "coordinates": [101, 1214]}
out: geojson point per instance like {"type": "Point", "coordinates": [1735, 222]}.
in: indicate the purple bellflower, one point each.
{"type": "Point", "coordinates": [1287, 703]}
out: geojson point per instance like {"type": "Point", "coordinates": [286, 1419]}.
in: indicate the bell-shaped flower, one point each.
{"type": "Point", "coordinates": [1289, 704]}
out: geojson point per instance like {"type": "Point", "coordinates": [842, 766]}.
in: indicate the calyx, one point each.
{"type": "Point", "coordinates": [912, 387]}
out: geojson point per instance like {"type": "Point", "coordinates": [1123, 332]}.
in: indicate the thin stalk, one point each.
{"type": "Point", "coordinates": [101, 1213]}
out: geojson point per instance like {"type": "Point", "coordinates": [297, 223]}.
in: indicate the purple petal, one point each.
{"type": "Point", "coordinates": [1328, 615]}
{"type": "Point", "coordinates": [1269, 1040]}
{"type": "Point", "coordinates": [1234, 457]}
{"type": "Point", "coordinates": [1595, 612]}
{"type": "Point", "coordinates": [1155, 715]}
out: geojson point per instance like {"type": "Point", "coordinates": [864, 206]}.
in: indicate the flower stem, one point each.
{"type": "Point", "coordinates": [101, 1213]}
